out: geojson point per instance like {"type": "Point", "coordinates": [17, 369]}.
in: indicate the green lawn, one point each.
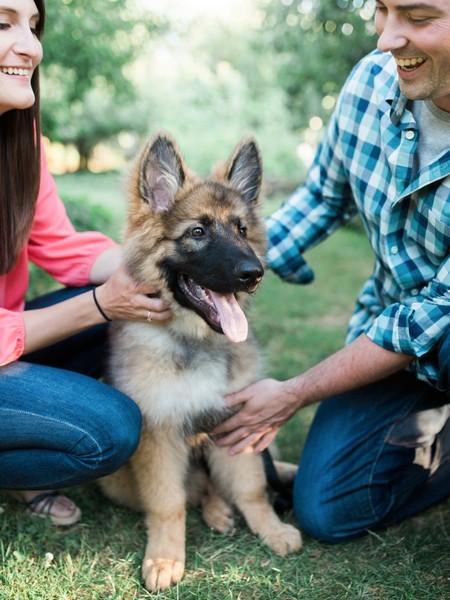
{"type": "Point", "coordinates": [99, 558]}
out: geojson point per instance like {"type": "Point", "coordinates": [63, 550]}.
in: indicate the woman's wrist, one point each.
{"type": "Point", "coordinates": [97, 304]}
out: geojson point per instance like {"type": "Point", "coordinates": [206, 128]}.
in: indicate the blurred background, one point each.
{"type": "Point", "coordinates": [208, 71]}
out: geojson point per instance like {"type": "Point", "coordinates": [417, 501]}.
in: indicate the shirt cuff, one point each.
{"type": "Point", "coordinates": [291, 267]}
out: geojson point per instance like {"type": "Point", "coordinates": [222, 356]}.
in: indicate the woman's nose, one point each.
{"type": "Point", "coordinates": [27, 44]}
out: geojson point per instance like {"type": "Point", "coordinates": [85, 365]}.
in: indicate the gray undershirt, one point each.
{"type": "Point", "coordinates": [434, 128]}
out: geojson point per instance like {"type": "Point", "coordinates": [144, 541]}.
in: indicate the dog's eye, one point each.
{"type": "Point", "coordinates": [243, 230]}
{"type": "Point", "coordinates": [198, 232]}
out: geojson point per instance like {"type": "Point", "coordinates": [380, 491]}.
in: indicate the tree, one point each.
{"type": "Point", "coordinates": [314, 44]}
{"type": "Point", "coordinates": [88, 47]}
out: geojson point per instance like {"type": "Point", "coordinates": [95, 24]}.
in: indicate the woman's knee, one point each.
{"type": "Point", "coordinates": [121, 428]}
{"type": "Point", "coordinates": [104, 430]}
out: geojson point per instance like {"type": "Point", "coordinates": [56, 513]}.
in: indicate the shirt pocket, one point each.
{"type": "Point", "coordinates": [431, 231]}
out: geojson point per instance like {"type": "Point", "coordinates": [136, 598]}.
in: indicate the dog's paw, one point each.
{"type": "Point", "coordinates": [218, 514]}
{"type": "Point", "coordinates": [161, 573]}
{"type": "Point", "coordinates": [284, 539]}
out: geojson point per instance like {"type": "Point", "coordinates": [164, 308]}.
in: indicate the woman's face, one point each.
{"type": "Point", "coordinates": [20, 53]}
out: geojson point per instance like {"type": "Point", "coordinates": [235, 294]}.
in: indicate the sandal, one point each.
{"type": "Point", "coordinates": [42, 505]}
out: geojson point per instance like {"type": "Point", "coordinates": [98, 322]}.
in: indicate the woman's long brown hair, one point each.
{"type": "Point", "coordinates": [20, 133]}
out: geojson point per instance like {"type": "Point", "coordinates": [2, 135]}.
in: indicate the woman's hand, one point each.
{"type": "Point", "coordinates": [121, 298]}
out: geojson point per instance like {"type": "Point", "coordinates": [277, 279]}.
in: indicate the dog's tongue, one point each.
{"type": "Point", "coordinates": [231, 316]}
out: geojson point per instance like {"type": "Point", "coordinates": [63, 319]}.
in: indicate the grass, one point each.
{"type": "Point", "coordinates": [99, 558]}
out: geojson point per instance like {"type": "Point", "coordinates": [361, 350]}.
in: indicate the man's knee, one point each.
{"type": "Point", "coordinates": [319, 518]}
{"type": "Point", "coordinates": [332, 515]}
{"type": "Point", "coordinates": [444, 363]}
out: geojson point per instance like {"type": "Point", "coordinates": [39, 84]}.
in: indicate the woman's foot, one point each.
{"type": "Point", "coordinates": [58, 508]}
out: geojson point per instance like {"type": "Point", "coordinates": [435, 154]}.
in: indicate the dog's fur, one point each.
{"type": "Point", "coordinates": [202, 243]}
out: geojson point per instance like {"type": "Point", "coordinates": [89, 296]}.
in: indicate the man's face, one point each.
{"type": "Point", "coordinates": [417, 33]}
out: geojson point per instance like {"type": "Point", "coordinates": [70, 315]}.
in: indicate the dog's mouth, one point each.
{"type": "Point", "coordinates": [221, 311]}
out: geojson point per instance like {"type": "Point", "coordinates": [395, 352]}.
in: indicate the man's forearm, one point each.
{"type": "Point", "coordinates": [358, 364]}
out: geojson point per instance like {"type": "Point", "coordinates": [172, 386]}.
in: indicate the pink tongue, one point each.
{"type": "Point", "coordinates": [232, 319]}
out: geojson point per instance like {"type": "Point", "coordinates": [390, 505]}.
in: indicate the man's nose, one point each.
{"type": "Point", "coordinates": [393, 35]}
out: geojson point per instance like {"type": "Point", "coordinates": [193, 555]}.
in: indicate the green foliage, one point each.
{"type": "Point", "coordinates": [209, 91]}
{"type": "Point", "coordinates": [87, 48]}
{"type": "Point", "coordinates": [314, 44]}
{"type": "Point", "coordinates": [85, 216]}
{"type": "Point", "coordinates": [109, 72]}
{"type": "Point", "coordinates": [112, 68]}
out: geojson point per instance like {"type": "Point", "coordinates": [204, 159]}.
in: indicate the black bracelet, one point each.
{"type": "Point", "coordinates": [100, 309]}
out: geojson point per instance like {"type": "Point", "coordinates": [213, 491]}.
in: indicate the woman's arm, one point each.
{"type": "Point", "coordinates": [105, 265]}
{"type": "Point", "coordinates": [120, 298]}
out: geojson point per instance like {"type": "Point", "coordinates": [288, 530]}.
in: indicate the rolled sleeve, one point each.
{"type": "Point", "coordinates": [12, 336]}
{"type": "Point", "coordinates": [416, 328]}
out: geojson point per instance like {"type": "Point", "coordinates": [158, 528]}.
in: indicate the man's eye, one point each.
{"type": "Point", "coordinates": [419, 19]}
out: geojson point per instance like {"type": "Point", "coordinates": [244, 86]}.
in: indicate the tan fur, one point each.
{"type": "Point", "coordinates": [177, 370]}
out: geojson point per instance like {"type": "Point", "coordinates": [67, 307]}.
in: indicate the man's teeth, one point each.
{"type": "Point", "coordinates": [15, 71]}
{"type": "Point", "coordinates": [406, 63]}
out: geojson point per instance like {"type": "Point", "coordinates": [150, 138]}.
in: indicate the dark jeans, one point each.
{"type": "Point", "coordinates": [59, 426]}
{"type": "Point", "coordinates": [376, 456]}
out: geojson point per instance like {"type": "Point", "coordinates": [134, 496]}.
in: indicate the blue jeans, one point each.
{"type": "Point", "coordinates": [376, 456]}
{"type": "Point", "coordinates": [59, 426]}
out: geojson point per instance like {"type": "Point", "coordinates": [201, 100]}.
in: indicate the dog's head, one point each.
{"type": "Point", "coordinates": [201, 240]}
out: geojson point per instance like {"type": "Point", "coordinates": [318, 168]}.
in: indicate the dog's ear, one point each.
{"type": "Point", "coordinates": [161, 172]}
{"type": "Point", "coordinates": [244, 170]}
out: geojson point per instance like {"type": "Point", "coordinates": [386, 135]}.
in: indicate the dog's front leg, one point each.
{"type": "Point", "coordinates": [242, 478]}
{"type": "Point", "coordinates": [160, 465]}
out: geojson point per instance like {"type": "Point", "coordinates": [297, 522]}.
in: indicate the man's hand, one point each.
{"type": "Point", "coordinates": [265, 406]}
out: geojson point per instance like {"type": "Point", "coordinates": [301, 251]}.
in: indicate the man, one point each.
{"type": "Point", "coordinates": [378, 450]}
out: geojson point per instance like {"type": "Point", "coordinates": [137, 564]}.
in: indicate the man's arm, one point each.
{"type": "Point", "coordinates": [268, 404]}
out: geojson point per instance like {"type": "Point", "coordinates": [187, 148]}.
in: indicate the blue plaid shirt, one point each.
{"type": "Point", "coordinates": [365, 164]}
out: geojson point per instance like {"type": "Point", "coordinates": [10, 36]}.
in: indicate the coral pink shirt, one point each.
{"type": "Point", "coordinates": [56, 247]}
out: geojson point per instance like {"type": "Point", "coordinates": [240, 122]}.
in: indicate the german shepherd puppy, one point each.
{"type": "Point", "coordinates": [202, 242]}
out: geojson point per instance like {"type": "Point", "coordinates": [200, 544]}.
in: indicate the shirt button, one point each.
{"type": "Point", "coordinates": [410, 135]}
{"type": "Point", "coordinates": [394, 250]}
{"type": "Point", "coordinates": [414, 292]}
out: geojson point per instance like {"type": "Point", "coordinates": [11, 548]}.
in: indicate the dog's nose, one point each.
{"type": "Point", "coordinates": [249, 272]}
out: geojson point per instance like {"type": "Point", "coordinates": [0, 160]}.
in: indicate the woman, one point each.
{"type": "Point", "coordinates": [59, 426]}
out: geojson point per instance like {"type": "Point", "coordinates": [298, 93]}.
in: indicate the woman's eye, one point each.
{"type": "Point", "coordinates": [198, 232]}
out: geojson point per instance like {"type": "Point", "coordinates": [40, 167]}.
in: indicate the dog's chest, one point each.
{"type": "Point", "coordinates": [173, 380]}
